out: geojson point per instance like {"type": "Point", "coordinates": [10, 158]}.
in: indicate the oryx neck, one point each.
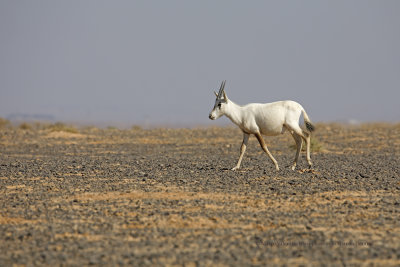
{"type": "Point", "coordinates": [234, 112]}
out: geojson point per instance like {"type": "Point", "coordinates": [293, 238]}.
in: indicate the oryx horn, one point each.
{"type": "Point", "coordinates": [221, 89]}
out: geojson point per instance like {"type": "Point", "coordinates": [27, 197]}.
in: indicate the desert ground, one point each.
{"type": "Point", "coordinates": [167, 197]}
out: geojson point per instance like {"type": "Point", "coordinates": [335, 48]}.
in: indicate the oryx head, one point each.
{"type": "Point", "coordinates": [220, 103]}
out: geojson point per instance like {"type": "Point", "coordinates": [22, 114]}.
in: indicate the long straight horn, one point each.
{"type": "Point", "coordinates": [221, 89]}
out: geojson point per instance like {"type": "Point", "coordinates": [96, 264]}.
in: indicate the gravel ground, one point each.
{"type": "Point", "coordinates": [167, 197]}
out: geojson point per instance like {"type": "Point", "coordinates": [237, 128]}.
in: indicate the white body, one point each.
{"type": "Point", "coordinates": [265, 119]}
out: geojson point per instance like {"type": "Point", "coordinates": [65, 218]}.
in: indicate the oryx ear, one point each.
{"type": "Point", "coordinates": [225, 97]}
{"type": "Point", "coordinates": [216, 94]}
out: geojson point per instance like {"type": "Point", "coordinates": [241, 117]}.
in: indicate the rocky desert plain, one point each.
{"type": "Point", "coordinates": [79, 196]}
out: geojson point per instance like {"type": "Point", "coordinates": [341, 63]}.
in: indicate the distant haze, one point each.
{"type": "Point", "coordinates": [158, 62]}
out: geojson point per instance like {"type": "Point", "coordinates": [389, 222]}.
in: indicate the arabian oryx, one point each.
{"type": "Point", "coordinates": [265, 119]}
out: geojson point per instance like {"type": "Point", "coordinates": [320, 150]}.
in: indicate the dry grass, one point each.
{"type": "Point", "coordinates": [315, 146]}
{"type": "Point", "coordinates": [98, 195]}
{"type": "Point", "coordinates": [317, 206]}
{"type": "Point", "coordinates": [4, 123]}
{"type": "Point", "coordinates": [61, 127]}
{"type": "Point", "coordinates": [16, 220]}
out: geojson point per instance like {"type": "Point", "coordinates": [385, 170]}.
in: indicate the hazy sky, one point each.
{"type": "Point", "coordinates": [158, 62]}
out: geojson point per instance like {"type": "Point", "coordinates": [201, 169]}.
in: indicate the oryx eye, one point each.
{"type": "Point", "coordinates": [219, 105]}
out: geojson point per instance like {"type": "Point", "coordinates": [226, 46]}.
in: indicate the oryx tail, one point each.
{"type": "Point", "coordinates": [310, 127]}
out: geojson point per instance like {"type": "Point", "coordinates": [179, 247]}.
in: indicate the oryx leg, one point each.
{"type": "Point", "coordinates": [264, 147]}
{"type": "Point", "coordinates": [308, 142]}
{"type": "Point", "coordinates": [242, 150]}
{"type": "Point", "coordinates": [303, 134]}
{"type": "Point", "coordinates": [299, 142]}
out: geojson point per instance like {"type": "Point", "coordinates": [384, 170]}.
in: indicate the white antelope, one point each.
{"type": "Point", "coordinates": [265, 119]}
